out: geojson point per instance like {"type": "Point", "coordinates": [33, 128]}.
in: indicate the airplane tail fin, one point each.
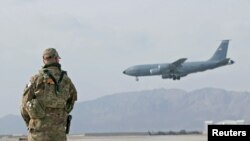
{"type": "Point", "coordinates": [221, 52]}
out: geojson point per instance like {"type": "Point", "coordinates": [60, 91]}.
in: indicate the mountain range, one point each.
{"type": "Point", "coordinates": [150, 110]}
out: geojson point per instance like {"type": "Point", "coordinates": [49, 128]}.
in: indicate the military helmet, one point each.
{"type": "Point", "coordinates": [50, 52]}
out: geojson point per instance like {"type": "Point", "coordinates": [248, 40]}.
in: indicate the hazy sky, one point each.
{"type": "Point", "coordinates": [98, 39]}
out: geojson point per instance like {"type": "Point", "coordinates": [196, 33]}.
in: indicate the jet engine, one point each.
{"type": "Point", "coordinates": [165, 76]}
{"type": "Point", "coordinates": [171, 76]}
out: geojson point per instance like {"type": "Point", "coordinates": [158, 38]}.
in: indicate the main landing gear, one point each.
{"type": "Point", "coordinates": [176, 77]}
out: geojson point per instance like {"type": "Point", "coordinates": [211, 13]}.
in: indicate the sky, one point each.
{"type": "Point", "coordinates": [98, 39]}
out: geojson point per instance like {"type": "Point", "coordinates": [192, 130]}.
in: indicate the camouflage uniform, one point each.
{"type": "Point", "coordinates": [47, 101]}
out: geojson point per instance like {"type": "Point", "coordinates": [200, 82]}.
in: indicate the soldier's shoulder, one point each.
{"type": "Point", "coordinates": [34, 77]}
{"type": "Point", "coordinates": [64, 73]}
{"type": "Point", "coordinates": [66, 76]}
{"type": "Point", "coordinates": [37, 76]}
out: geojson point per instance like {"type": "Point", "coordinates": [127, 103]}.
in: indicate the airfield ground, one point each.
{"type": "Point", "coordinates": [123, 138]}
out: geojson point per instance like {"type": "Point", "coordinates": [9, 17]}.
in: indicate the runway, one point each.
{"type": "Point", "coordinates": [125, 138]}
{"type": "Point", "coordinates": [142, 138]}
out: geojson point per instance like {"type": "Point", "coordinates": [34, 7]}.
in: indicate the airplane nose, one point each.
{"type": "Point", "coordinates": [124, 72]}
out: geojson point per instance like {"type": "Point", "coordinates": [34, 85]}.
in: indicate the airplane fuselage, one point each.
{"type": "Point", "coordinates": [183, 70]}
{"type": "Point", "coordinates": [180, 68]}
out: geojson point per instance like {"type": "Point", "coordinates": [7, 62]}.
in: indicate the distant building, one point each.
{"type": "Point", "coordinates": [230, 122]}
{"type": "Point", "coordinates": [223, 122]}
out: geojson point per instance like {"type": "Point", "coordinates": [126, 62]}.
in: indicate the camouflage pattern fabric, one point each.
{"type": "Point", "coordinates": [47, 136]}
{"type": "Point", "coordinates": [45, 108]}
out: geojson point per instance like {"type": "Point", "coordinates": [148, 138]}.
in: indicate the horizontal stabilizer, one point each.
{"type": "Point", "coordinates": [226, 61]}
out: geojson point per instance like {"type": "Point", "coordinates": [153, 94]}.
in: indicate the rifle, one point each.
{"type": "Point", "coordinates": [69, 118]}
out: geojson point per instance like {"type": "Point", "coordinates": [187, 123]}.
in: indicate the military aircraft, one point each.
{"type": "Point", "coordinates": [181, 68]}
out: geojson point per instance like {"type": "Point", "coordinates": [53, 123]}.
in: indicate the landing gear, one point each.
{"type": "Point", "coordinates": [176, 77]}
{"type": "Point", "coordinates": [136, 78]}
{"type": "Point", "coordinates": [172, 76]}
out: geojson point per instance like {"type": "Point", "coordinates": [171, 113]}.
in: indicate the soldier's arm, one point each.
{"type": "Point", "coordinates": [27, 96]}
{"type": "Point", "coordinates": [72, 98]}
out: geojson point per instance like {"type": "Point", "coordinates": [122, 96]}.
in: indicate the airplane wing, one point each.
{"type": "Point", "coordinates": [171, 71]}
{"type": "Point", "coordinates": [177, 63]}
{"type": "Point", "coordinates": [172, 67]}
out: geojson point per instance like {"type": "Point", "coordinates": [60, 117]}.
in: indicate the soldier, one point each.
{"type": "Point", "coordinates": [48, 100]}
